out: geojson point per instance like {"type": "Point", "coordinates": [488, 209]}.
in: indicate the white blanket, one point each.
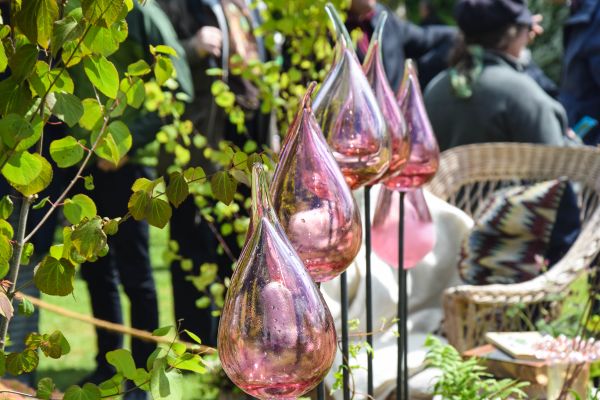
{"type": "Point", "coordinates": [426, 283]}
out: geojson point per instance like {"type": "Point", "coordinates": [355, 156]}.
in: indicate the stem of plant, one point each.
{"type": "Point", "coordinates": [15, 263]}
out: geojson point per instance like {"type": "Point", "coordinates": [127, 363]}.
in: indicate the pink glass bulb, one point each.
{"type": "Point", "coordinates": [397, 130]}
{"type": "Point", "coordinates": [419, 230]}
{"type": "Point", "coordinates": [424, 151]}
{"type": "Point", "coordinates": [349, 116]}
{"type": "Point", "coordinates": [312, 200]}
{"type": "Point", "coordinates": [276, 338]}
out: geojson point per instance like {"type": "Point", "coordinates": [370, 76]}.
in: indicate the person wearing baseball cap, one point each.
{"type": "Point", "coordinates": [485, 96]}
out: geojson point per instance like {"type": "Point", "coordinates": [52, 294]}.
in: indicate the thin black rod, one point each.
{"type": "Point", "coordinates": [369, 292]}
{"type": "Point", "coordinates": [402, 377]}
{"type": "Point", "coordinates": [321, 386]}
{"type": "Point", "coordinates": [321, 391]}
{"type": "Point", "coordinates": [345, 352]}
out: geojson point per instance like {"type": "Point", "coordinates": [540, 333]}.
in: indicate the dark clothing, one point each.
{"type": "Point", "coordinates": [195, 238]}
{"type": "Point", "coordinates": [197, 242]}
{"type": "Point", "coordinates": [429, 46]}
{"type": "Point", "coordinates": [127, 262]}
{"type": "Point", "coordinates": [506, 106]}
{"type": "Point", "coordinates": [580, 85]}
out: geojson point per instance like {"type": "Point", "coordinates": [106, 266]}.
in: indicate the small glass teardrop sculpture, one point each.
{"type": "Point", "coordinates": [312, 200]}
{"type": "Point", "coordinates": [424, 151]}
{"type": "Point", "coordinates": [397, 130]}
{"type": "Point", "coordinates": [349, 116]}
{"type": "Point", "coordinates": [276, 338]}
{"type": "Point", "coordinates": [419, 230]}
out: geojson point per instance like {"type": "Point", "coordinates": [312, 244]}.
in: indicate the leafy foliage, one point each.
{"type": "Point", "coordinates": [466, 379]}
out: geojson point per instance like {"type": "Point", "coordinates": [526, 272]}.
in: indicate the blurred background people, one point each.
{"type": "Point", "coordinates": [580, 83]}
{"type": "Point", "coordinates": [211, 32]}
{"type": "Point", "coordinates": [485, 96]}
{"type": "Point", "coordinates": [128, 260]}
{"type": "Point", "coordinates": [429, 46]}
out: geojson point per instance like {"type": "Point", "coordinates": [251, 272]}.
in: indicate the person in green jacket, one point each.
{"type": "Point", "coordinates": [485, 96]}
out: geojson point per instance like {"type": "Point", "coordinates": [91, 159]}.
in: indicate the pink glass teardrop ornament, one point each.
{"type": "Point", "coordinates": [312, 200]}
{"type": "Point", "coordinates": [397, 130]}
{"type": "Point", "coordinates": [424, 151]}
{"type": "Point", "coordinates": [419, 230]}
{"type": "Point", "coordinates": [276, 338]}
{"type": "Point", "coordinates": [349, 116]}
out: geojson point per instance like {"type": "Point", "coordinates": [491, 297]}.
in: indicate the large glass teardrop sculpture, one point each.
{"type": "Point", "coordinates": [424, 151]}
{"type": "Point", "coordinates": [277, 338]}
{"type": "Point", "coordinates": [419, 230]}
{"type": "Point", "coordinates": [349, 116]}
{"type": "Point", "coordinates": [397, 130]}
{"type": "Point", "coordinates": [312, 200]}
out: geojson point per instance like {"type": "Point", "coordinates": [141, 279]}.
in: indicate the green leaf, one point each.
{"type": "Point", "coordinates": [193, 336]}
{"type": "Point", "coordinates": [92, 114]}
{"type": "Point", "coordinates": [26, 253]}
{"type": "Point", "coordinates": [78, 208]}
{"type": "Point", "coordinates": [6, 207]}
{"type": "Point", "coordinates": [6, 307]}
{"type": "Point", "coordinates": [177, 190]}
{"type": "Point", "coordinates": [188, 362]}
{"type": "Point", "coordinates": [240, 159]}
{"type": "Point", "coordinates": [159, 213]}
{"type": "Point", "coordinates": [66, 152]}
{"type": "Point", "coordinates": [223, 186]}
{"type": "Point", "coordinates": [102, 73]}
{"type": "Point", "coordinates": [225, 99]}
{"type": "Point", "coordinates": [6, 251]}
{"type": "Point", "coordinates": [194, 174]}
{"type": "Point", "coordinates": [138, 68]}
{"type": "Point", "coordinates": [26, 307]}
{"type": "Point", "coordinates": [88, 238]}
{"type": "Point", "coordinates": [43, 77]}
{"type": "Point", "coordinates": [40, 204]}
{"type": "Point", "coordinates": [88, 182]}
{"type": "Point", "coordinates": [2, 363]}
{"type": "Point", "coordinates": [165, 385]}
{"type": "Point", "coordinates": [88, 392]}
{"type": "Point", "coordinates": [106, 41]}
{"type": "Point", "coordinates": [22, 168]}
{"type": "Point", "coordinates": [55, 277]}
{"type": "Point", "coordinates": [111, 227]}
{"type": "Point", "coordinates": [162, 331]}
{"type": "Point", "coordinates": [14, 129]}
{"type": "Point", "coordinates": [23, 62]}
{"type": "Point", "coordinates": [163, 69]}
{"type": "Point", "coordinates": [163, 49]}
{"type": "Point", "coordinates": [36, 19]}
{"type": "Point", "coordinates": [67, 108]}
{"type": "Point", "coordinates": [142, 379]}
{"type": "Point", "coordinates": [139, 205]}
{"type": "Point", "coordinates": [37, 184]}
{"type": "Point", "coordinates": [19, 363]}
{"type": "Point", "coordinates": [65, 30]}
{"type": "Point", "coordinates": [3, 58]}
{"type": "Point", "coordinates": [45, 387]}
{"type": "Point", "coordinates": [134, 91]}
{"type": "Point", "coordinates": [6, 229]}
{"type": "Point", "coordinates": [122, 360]}
{"type": "Point", "coordinates": [55, 345]}
{"type": "Point", "coordinates": [14, 97]}
{"type": "Point", "coordinates": [115, 143]}
{"type": "Point", "coordinates": [102, 12]}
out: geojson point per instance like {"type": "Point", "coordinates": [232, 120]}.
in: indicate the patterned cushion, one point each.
{"type": "Point", "coordinates": [511, 234]}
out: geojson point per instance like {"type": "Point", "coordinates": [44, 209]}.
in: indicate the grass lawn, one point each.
{"type": "Point", "coordinates": [80, 361]}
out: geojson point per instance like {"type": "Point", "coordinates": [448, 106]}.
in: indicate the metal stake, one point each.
{"type": "Point", "coordinates": [370, 390]}
{"type": "Point", "coordinates": [402, 378]}
{"type": "Point", "coordinates": [345, 352]}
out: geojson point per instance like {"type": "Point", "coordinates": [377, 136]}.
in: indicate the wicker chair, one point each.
{"type": "Point", "coordinates": [467, 174]}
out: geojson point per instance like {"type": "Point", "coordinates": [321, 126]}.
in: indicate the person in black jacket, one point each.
{"type": "Point", "coordinates": [211, 31]}
{"type": "Point", "coordinates": [429, 46]}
